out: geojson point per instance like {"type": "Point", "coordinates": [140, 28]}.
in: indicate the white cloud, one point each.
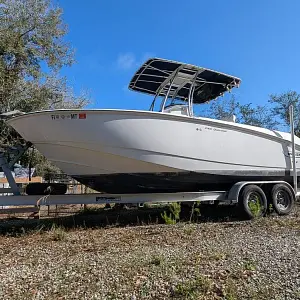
{"type": "Point", "coordinates": [126, 61]}
{"type": "Point", "coordinates": [129, 61]}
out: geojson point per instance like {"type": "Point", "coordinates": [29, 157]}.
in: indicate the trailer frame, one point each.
{"type": "Point", "coordinates": [230, 196]}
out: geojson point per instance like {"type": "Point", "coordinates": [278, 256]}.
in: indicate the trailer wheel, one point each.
{"type": "Point", "coordinates": [282, 199]}
{"type": "Point", "coordinates": [253, 201]}
{"type": "Point", "coordinates": [42, 188]}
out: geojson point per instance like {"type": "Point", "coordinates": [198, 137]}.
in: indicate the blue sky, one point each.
{"type": "Point", "coordinates": [257, 40]}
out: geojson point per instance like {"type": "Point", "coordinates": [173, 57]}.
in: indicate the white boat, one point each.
{"type": "Point", "coordinates": [170, 150]}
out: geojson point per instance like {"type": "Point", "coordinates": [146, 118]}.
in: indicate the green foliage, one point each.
{"type": "Point", "coordinates": [257, 116]}
{"type": "Point", "coordinates": [32, 31]}
{"type": "Point", "coordinates": [273, 115]}
{"type": "Point", "coordinates": [189, 230]}
{"type": "Point", "coordinates": [230, 290]}
{"type": "Point", "coordinates": [223, 108]}
{"type": "Point", "coordinates": [174, 213]}
{"type": "Point", "coordinates": [192, 289]}
{"type": "Point", "coordinates": [175, 209]}
{"type": "Point", "coordinates": [32, 35]}
{"type": "Point", "coordinates": [249, 265]}
{"type": "Point", "coordinates": [270, 207]}
{"type": "Point", "coordinates": [195, 212]}
{"type": "Point", "coordinates": [57, 233]}
{"type": "Point", "coordinates": [255, 207]}
{"type": "Point", "coordinates": [280, 108]}
{"type": "Point", "coordinates": [246, 114]}
{"type": "Point", "coordinates": [157, 260]}
{"type": "Point", "coordinates": [169, 220]}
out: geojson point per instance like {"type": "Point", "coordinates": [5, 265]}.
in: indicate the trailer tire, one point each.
{"type": "Point", "coordinates": [283, 199]}
{"type": "Point", "coordinates": [253, 201]}
{"type": "Point", "coordinates": [42, 188]}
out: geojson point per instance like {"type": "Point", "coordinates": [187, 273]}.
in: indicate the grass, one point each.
{"type": "Point", "coordinates": [185, 261]}
{"type": "Point", "coordinates": [230, 290]}
{"type": "Point", "coordinates": [193, 288]}
{"type": "Point", "coordinates": [96, 217]}
{"type": "Point", "coordinates": [263, 293]}
{"type": "Point", "coordinates": [57, 233]}
{"type": "Point", "coordinates": [255, 208]}
{"type": "Point", "coordinates": [203, 287]}
{"type": "Point", "coordinates": [249, 265]}
{"type": "Point", "coordinates": [172, 213]}
{"type": "Point", "coordinates": [157, 260]}
{"type": "Point", "coordinates": [90, 256]}
{"type": "Point", "coordinates": [189, 230]}
{"type": "Point", "coordinates": [168, 218]}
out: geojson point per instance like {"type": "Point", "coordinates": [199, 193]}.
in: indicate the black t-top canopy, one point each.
{"type": "Point", "coordinates": [155, 76]}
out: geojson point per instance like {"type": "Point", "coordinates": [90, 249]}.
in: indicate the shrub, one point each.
{"type": "Point", "coordinates": [174, 214]}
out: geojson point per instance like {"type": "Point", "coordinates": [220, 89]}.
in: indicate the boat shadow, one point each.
{"type": "Point", "coordinates": [107, 218]}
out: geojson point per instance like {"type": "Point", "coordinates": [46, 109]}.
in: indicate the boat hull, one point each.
{"type": "Point", "coordinates": [169, 182]}
{"type": "Point", "coordinates": [119, 151]}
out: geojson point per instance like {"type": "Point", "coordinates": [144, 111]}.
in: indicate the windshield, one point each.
{"type": "Point", "coordinates": [172, 102]}
{"type": "Point", "coordinates": [157, 104]}
{"type": "Point", "coordinates": [179, 90]}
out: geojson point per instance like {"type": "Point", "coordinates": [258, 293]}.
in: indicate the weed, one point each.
{"type": "Point", "coordinates": [58, 233]}
{"type": "Point", "coordinates": [255, 208]}
{"type": "Point", "coordinates": [174, 214]}
{"type": "Point", "coordinates": [195, 212]}
{"type": "Point", "coordinates": [249, 265]}
{"type": "Point", "coordinates": [217, 256]}
{"type": "Point", "coordinates": [157, 260]}
{"type": "Point", "coordinates": [271, 208]}
{"type": "Point", "coordinates": [297, 294]}
{"type": "Point", "coordinates": [230, 290]}
{"type": "Point", "coordinates": [169, 220]}
{"type": "Point", "coordinates": [144, 290]}
{"type": "Point", "coordinates": [175, 209]}
{"type": "Point", "coordinates": [193, 288]}
{"type": "Point", "coordinates": [265, 292]}
{"type": "Point", "coordinates": [188, 230]}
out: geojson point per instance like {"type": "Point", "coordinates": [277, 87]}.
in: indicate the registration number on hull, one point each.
{"type": "Point", "coordinates": [80, 116]}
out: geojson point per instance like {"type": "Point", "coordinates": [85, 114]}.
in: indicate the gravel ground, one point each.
{"type": "Point", "coordinates": [213, 260]}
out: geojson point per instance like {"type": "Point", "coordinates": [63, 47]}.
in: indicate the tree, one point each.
{"type": "Point", "coordinates": [257, 116]}
{"type": "Point", "coordinates": [32, 51]}
{"type": "Point", "coordinates": [281, 105]}
{"type": "Point", "coordinates": [246, 114]}
{"type": "Point", "coordinates": [224, 108]}
{"type": "Point", "coordinates": [32, 31]}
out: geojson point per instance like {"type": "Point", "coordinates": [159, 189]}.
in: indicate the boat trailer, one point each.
{"type": "Point", "coordinates": [280, 194]}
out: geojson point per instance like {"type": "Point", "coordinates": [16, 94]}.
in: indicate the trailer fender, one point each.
{"type": "Point", "coordinates": [234, 192]}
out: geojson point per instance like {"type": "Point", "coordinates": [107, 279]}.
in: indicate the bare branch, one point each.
{"type": "Point", "coordinates": [26, 32]}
